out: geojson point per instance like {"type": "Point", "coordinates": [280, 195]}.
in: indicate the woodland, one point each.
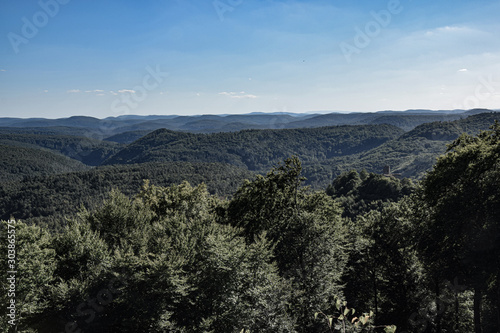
{"type": "Point", "coordinates": [391, 225]}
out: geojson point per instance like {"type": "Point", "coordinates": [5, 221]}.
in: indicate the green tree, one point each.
{"type": "Point", "coordinates": [306, 228]}
{"type": "Point", "coordinates": [161, 262]}
{"type": "Point", "coordinates": [34, 267]}
{"type": "Point", "coordinates": [384, 273]}
{"type": "Point", "coordinates": [462, 232]}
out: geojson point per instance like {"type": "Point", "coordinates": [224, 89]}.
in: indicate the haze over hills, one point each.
{"type": "Point", "coordinates": [111, 126]}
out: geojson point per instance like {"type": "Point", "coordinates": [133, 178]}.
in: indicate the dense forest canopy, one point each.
{"type": "Point", "coordinates": [192, 245]}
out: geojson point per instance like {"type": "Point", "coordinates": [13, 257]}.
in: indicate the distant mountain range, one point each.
{"type": "Point", "coordinates": [128, 128]}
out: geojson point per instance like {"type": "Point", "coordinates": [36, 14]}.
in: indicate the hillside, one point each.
{"type": "Point", "coordinates": [18, 162]}
{"type": "Point", "coordinates": [86, 150]}
{"type": "Point", "coordinates": [256, 150]}
{"type": "Point", "coordinates": [46, 199]}
{"type": "Point", "coordinates": [415, 152]}
{"type": "Point", "coordinates": [325, 151]}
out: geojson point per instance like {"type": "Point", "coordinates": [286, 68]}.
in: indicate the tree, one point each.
{"type": "Point", "coordinates": [161, 262]}
{"type": "Point", "coordinates": [27, 281]}
{"type": "Point", "coordinates": [306, 230]}
{"type": "Point", "coordinates": [462, 232]}
{"type": "Point", "coordinates": [383, 271]}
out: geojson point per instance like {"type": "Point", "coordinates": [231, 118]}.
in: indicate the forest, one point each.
{"type": "Point", "coordinates": [298, 230]}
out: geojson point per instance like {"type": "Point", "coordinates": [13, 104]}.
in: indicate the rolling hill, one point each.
{"type": "Point", "coordinates": [46, 172]}
{"type": "Point", "coordinates": [415, 152]}
{"type": "Point", "coordinates": [19, 162]}
{"type": "Point", "coordinates": [46, 199]}
{"type": "Point", "coordinates": [256, 150]}
{"type": "Point", "coordinates": [86, 150]}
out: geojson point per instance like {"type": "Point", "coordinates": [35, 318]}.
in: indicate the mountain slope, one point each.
{"type": "Point", "coordinates": [257, 150]}
{"type": "Point", "coordinates": [88, 151]}
{"type": "Point", "coordinates": [18, 162]}
{"type": "Point", "coordinates": [416, 151]}
{"type": "Point", "coordinates": [46, 199]}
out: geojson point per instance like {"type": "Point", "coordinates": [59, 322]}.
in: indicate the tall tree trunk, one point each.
{"type": "Point", "coordinates": [438, 304]}
{"type": "Point", "coordinates": [375, 293]}
{"type": "Point", "coordinates": [477, 310]}
{"type": "Point", "coordinates": [498, 301]}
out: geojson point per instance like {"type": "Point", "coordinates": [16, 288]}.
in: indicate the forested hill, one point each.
{"type": "Point", "coordinates": [17, 162]}
{"type": "Point", "coordinates": [325, 151]}
{"type": "Point", "coordinates": [38, 182]}
{"type": "Point", "coordinates": [86, 150]}
{"type": "Point", "coordinates": [46, 199]}
{"type": "Point", "coordinates": [415, 152]}
{"type": "Point", "coordinates": [256, 150]}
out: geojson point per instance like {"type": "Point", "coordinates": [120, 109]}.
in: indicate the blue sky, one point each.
{"type": "Point", "coordinates": [108, 58]}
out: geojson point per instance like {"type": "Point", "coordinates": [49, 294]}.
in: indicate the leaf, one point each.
{"type": "Point", "coordinates": [330, 321]}
{"type": "Point", "coordinates": [316, 315]}
{"type": "Point", "coordinates": [390, 329]}
{"type": "Point", "coordinates": [354, 319]}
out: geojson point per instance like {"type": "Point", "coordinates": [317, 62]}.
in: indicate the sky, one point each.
{"type": "Point", "coordinates": [60, 58]}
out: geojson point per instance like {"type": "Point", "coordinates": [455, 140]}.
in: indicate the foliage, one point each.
{"type": "Point", "coordinates": [360, 193]}
{"type": "Point", "coordinates": [46, 200]}
{"type": "Point", "coordinates": [34, 269]}
{"type": "Point", "coordinates": [307, 231]}
{"type": "Point", "coordinates": [186, 257]}
{"type": "Point", "coordinates": [345, 320]}
{"type": "Point", "coordinates": [461, 195]}
{"type": "Point", "coordinates": [16, 163]}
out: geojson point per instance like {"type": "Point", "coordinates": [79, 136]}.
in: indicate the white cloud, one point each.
{"type": "Point", "coordinates": [123, 91]}
{"type": "Point", "coordinates": [2, 70]}
{"type": "Point", "coordinates": [245, 96]}
{"type": "Point", "coordinates": [240, 95]}
{"type": "Point", "coordinates": [463, 70]}
{"type": "Point", "coordinates": [74, 91]}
